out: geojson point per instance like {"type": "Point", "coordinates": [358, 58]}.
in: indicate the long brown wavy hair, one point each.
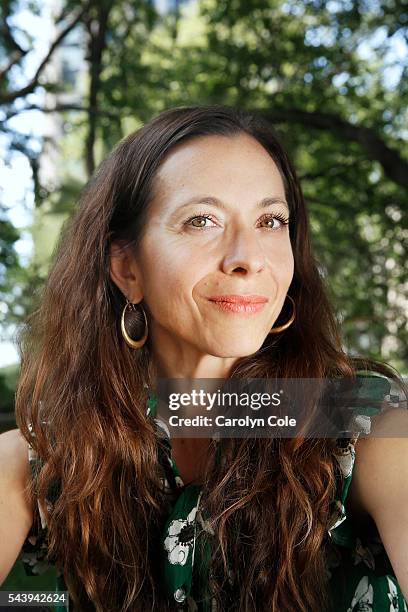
{"type": "Point", "coordinates": [82, 389]}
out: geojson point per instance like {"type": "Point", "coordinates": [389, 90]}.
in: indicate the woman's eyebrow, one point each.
{"type": "Point", "coordinates": [211, 201]}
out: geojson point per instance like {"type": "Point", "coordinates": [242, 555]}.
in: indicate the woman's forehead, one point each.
{"type": "Point", "coordinates": [217, 166]}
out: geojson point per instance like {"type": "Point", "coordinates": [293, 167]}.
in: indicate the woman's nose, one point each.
{"type": "Point", "coordinates": [243, 250]}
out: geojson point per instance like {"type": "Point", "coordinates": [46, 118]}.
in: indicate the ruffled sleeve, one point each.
{"type": "Point", "coordinates": [360, 573]}
{"type": "Point", "coordinates": [370, 387]}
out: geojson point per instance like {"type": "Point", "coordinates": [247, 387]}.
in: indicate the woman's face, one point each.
{"type": "Point", "coordinates": [241, 248]}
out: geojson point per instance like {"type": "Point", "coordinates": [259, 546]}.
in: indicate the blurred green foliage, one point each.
{"type": "Point", "coordinates": [331, 76]}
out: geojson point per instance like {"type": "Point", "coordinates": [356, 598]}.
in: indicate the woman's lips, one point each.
{"type": "Point", "coordinates": [247, 304]}
{"type": "Point", "coordinates": [239, 299]}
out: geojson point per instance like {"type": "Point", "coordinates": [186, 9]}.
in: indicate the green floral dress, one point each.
{"type": "Point", "coordinates": [360, 575]}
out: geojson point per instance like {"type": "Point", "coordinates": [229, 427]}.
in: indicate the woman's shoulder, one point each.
{"type": "Point", "coordinates": [15, 471]}
{"type": "Point", "coordinates": [16, 510]}
{"type": "Point", "coordinates": [381, 465]}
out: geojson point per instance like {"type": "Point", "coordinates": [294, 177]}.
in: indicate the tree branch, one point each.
{"type": "Point", "coordinates": [10, 96]}
{"type": "Point", "coordinates": [331, 171]}
{"type": "Point", "coordinates": [6, 31]}
{"type": "Point", "coordinates": [59, 108]}
{"type": "Point", "coordinates": [97, 43]}
{"type": "Point", "coordinates": [394, 166]}
{"type": "Point", "coordinates": [16, 52]}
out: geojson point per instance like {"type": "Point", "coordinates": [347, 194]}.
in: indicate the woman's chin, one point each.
{"type": "Point", "coordinates": [236, 349]}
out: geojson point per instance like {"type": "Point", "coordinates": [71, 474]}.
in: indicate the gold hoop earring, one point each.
{"type": "Point", "coordinates": [276, 330]}
{"type": "Point", "coordinates": [135, 322]}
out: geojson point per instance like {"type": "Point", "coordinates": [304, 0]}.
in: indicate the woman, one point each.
{"type": "Point", "coordinates": [202, 202]}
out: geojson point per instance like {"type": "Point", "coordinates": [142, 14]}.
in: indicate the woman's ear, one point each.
{"type": "Point", "coordinates": [125, 273]}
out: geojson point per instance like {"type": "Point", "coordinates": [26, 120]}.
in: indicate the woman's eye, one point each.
{"type": "Point", "coordinates": [270, 219]}
{"type": "Point", "coordinates": [199, 221]}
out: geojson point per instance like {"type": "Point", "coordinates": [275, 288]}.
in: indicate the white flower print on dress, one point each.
{"type": "Point", "coordinates": [180, 538]}
{"type": "Point", "coordinates": [392, 596]}
{"type": "Point", "coordinates": [339, 514]}
{"type": "Point", "coordinates": [179, 482]}
{"type": "Point", "coordinates": [363, 597]}
{"type": "Point", "coordinates": [346, 457]}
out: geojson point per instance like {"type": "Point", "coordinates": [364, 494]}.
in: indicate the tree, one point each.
{"type": "Point", "coordinates": [328, 77]}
